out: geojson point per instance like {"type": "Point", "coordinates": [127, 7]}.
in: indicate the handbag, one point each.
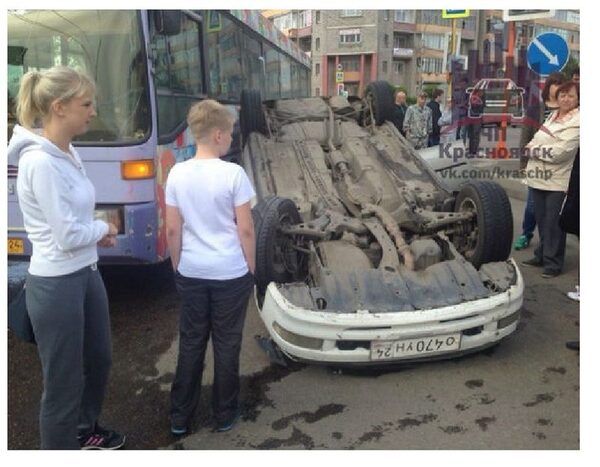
{"type": "Point", "coordinates": [18, 318]}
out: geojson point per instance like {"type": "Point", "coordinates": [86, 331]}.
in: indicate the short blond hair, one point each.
{"type": "Point", "coordinates": [39, 89]}
{"type": "Point", "coordinates": [206, 115]}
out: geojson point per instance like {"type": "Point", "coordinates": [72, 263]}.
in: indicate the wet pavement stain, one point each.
{"type": "Point", "coordinates": [485, 399]}
{"type": "Point", "coordinates": [483, 422]}
{"type": "Point", "coordinates": [474, 383]}
{"type": "Point", "coordinates": [378, 431]}
{"type": "Point", "coordinates": [404, 423]}
{"type": "Point", "coordinates": [309, 417]}
{"type": "Point", "coordinates": [431, 398]}
{"type": "Point", "coordinates": [539, 435]}
{"type": "Point", "coordinates": [297, 438]}
{"type": "Point", "coordinates": [453, 429]}
{"type": "Point", "coordinates": [254, 388]}
{"type": "Point", "coordinates": [374, 435]}
{"type": "Point", "coordinates": [336, 435]}
{"type": "Point", "coordinates": [560, 370]}
{"type": "Point", "coordinates": [544, 422]}
{"type": "Point", "coordinates": [462, 407]}
{"type": "Point", "coordinates": [539, 399]}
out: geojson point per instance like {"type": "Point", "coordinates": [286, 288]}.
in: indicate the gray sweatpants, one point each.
{"type": "Point", "coordinates": [551, 249]}
{"type": "Point", "coordinates": [70, 320]}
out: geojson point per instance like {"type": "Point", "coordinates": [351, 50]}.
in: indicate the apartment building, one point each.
{"type": "Point", "coordinates": [408, 48]}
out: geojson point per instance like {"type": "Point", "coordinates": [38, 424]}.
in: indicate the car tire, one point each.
{"type": "Point", "coordinates": [493, 222]}
{"type": "Point", "coordinates": [276, 260]}
{"type": "Point", "coordinates": [382, 101]}
{"type": "Point", "coordinates": [252, 117]}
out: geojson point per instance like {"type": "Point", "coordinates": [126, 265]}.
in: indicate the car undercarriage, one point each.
{"type": "Point", "coordinates": [350, 221]}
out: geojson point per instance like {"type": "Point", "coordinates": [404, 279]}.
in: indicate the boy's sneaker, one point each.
{"type": "Point", "coordinates": [178, 430]}
{"type": "Point", "coordinates": [522, 242]}
{"type": "Point", "coordinates": [102, 439]}
{"type": "Point", "coordinates": [229, 424]}
{"type": "Point", "coordinates": [574, 295]}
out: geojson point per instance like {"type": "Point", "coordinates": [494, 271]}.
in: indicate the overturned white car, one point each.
{"type": "Point", "coordinates": [363, 255]}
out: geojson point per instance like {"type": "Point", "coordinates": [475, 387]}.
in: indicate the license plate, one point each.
{"type": "Point", "coordinates": [387, 350]}
{"type": "Point", "coordinates": [16, 246]}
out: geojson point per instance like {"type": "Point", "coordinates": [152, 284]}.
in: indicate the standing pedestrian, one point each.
{"type": "Point", "coordinates": [551, 154]}
{"type": "Point", "coordinates": [447, 133]}
{"type": "Point", "coordinates": [436, 113]}
{"type": "Point", "coordinates": [65, 294]}
{"type": "Point", "coordinates": [400, 109]}
{"type": "Point", "coordinates": [417, 123]}
{"type": "Point", "coordinates": [474, 119]}
{"type": "Point", "coordinates": [210, 235]}
{"type": "Point", "coordinates": [548, 105]}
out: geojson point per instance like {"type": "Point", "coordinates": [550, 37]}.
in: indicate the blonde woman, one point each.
{"type": "Point", "coordinates": [65, 294]}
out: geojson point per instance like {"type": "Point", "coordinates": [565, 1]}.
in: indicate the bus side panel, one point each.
{"type": "Point", "coordinates": [169, 154]}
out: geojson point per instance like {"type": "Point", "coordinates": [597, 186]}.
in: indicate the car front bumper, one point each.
{"type": "Point", "coordinates": [346, 338]}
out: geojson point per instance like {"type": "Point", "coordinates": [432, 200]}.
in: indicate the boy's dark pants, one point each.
{"type": "Point", "coordinates": [214, 308]}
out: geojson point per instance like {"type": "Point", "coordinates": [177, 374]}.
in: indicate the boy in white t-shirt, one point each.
{"type": "Point", "coordinates": [211, 240]}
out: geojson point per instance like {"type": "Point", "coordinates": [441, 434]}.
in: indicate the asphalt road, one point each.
{"type": "Point", "coordinates": [522, 394]}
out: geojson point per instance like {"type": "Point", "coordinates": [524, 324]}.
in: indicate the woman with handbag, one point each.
{"type": "Point", "coordinates": [65, 294]}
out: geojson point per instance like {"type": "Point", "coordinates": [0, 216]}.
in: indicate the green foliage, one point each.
{"type": "Point", "coordinates": [409, 99]}
{"type": "Point", "coordinates": [571, 65]}
{"type": "Point", "coordinates": [429, 88]}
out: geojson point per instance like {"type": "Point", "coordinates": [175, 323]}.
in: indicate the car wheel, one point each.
{"type": "Point", "coordinates": [277, 259]}
{"type": "Point", "coordinates": [490, 236]}
{"type": "Point", "coordinates": [252, 117]}
{"type": "Point", "coordinates": [380, 99]}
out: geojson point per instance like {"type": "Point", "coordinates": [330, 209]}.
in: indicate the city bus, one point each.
{"type": "Point", "coordinates": [149, 66]}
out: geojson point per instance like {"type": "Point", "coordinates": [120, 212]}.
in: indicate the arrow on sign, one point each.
{"type": "Point", "coordinates": [553, 59]}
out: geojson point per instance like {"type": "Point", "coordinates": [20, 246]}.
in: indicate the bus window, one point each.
{"type": "Point", "coordinates": [224, 64]}
{"type": "Point", "coordinates": [107, 46]}
{"type": "Point", "coordinates": [252, 64]}
{"type": "Point", "coordinates": [286, 76]}
{"type": "Point", "coordinates": [272, 67]}
{"type": "Point", "coordinates": [177, 74]}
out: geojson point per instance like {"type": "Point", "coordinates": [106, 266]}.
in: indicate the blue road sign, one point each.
{"type": "Point", "coordinates": [547, 53]}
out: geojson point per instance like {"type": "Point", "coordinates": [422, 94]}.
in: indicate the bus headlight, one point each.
{"type": "Point", "coordinates": [112, 214]}
{"type": "Point", "coordinates": [137, 170]}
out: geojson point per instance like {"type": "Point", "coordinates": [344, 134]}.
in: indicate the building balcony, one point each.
{"type": "Point", "coordinates": [401, 52]}
{"type": "Point", "coordinates": [295, 33]}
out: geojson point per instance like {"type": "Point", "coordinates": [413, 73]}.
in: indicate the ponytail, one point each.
{"type": "Point", "coordinates": [38, 90]}
{"type": "Point", "coordinates": [28, 111]}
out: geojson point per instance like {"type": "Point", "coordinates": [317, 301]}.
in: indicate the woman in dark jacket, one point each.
{"type": "Point", "coordinates": [569, 222]}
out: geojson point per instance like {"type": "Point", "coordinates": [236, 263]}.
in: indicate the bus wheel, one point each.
{"type": "Point", "coordinates": [380, 101]}
{"type": "Point", "coordinates": [252, 117]}
{"type": "Point", "coordinates": [489, 237]}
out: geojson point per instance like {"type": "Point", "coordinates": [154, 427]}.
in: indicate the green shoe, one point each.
{"type": "Point", "coordinates": [521, 243]}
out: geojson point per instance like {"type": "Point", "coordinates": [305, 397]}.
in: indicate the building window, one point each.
{"type": "Point", "coordinates": [404, 16]}
{"type": "Point", "coordinates": [317, 69]}
{"type": "Point", "coordinates": [350, 62]}
{"type": "Point", "coordinates": [401, 41]}
{"type": "Point", "coordinates": [386, 15]}
{"type": "Point", "coordinates": [350, 13]}
{"type": "Point", "coordinates": [398, 67]}
{"type": "Point", "coordinates": [386, 40]}
{"type": "Point", "coordinates": [433, 41]}
{"type": "Point", "coordinates": [317, 91]}
{"type": "Point", "coordinates": [431, 65]}
{"type": "Point", "coordinates": [317, 43]}
{"type": "Point", "coordinates": [349, 36]}
{"type": "Point", "coordinates": [318, 16]}
{"type": "Point", "coordinates": [384, 66]}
